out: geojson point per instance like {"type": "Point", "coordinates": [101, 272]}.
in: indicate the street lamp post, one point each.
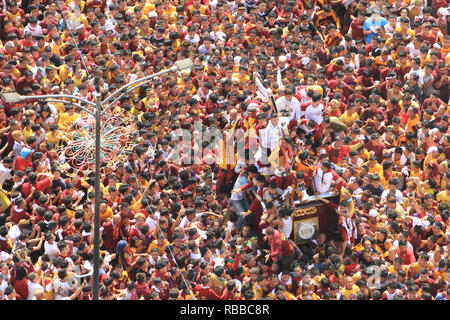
{"type": "Point", "coordinates": [14, 97]}
{"type": "Point", "coordinates": [98, 114]}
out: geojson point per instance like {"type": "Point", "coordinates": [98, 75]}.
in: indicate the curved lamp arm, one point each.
{"type": "Point", "coordinates": [14, 97]}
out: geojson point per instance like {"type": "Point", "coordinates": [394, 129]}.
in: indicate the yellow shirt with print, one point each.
{"type": "Point", "coordinates": [64, 72]}
{"type": "Point", "coordinates": [66, 120]}
{"type": "Point", "coordinates": [26, 133]}
{"type": "Point", "coordinates": [410, 32]}
{"type": "Point", "coordinates": [349, 119]}
{"type": "Point", "coordinates": [392, 269]}
{"type": "Point", "coordinates": [415, 268]}
{"type": "Point", "coordinates": [443, 196]}
{"type": "Point", "coordinates": [47, 82]}
{"type": "Point", "coordinates": [241, 79]}
{"type": "Point", "coordinates": [350, 294]}
{"type": "Point", "coordinates": [137, 206]}
{"type": "Point", "coordinates": [377, 168]}
{"type": "Point", "coordinates": [105, 215]}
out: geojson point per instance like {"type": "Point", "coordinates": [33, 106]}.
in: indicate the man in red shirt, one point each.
{"type": "Point", "coordinates": [405, 253]}
{"type": "Point", "coordinates": [40, 185]}
{"type": "Point", "coordinates": [356, 27]}
{"type": "Point", "coordinates": [18, 211]}
{"type": "Point", "coordinates": [280, 248]}
{"type": "Point", "coordinates": [204, 291]}
{"type": "Point", "coordinates": [376, 146]}
{"type": "Point", "coordinates": [424, 278]}
{"type": "Point", "coordinates": [111, 233]}
{"type": "Point", "coordinates": [26, 80]}
{"type": "Point", "coordinates": [142, 288]}
{"type": "Point", "coordinates": [337, 150]}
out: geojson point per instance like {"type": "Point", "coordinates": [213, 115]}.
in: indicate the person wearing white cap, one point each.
{"type": "Point", "coordinates": [373, 217]}
{"type": "Point", "coordinates": [3, 282]}
{"type": "Point", "coordinates": [432, 155]}
{"type": "Point", "coordinates": [442, 16]}
{"type": "Point", "coordinates": [355, 187]}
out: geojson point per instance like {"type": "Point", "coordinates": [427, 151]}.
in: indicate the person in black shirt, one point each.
{"type": "Point", "coordinates": [375, 186]}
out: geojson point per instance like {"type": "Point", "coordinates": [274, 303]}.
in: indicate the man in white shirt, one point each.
{"type": "Point", "coordinates": [270, 135]}
{"type": "Point", "coordinates": [60, 286]}
{"type": "Point", "coordinates": [33, 27]}
{"type": "Point", "coordinates": [414, 47]}
{"type": "Point", "coordinates": [207, 47]}
{"type": "Point", "coordinates": [323, 177]}
{"type": "Point", "coordinates": [290, 103]}
{"type": "Point", "coordinates": [190, 217]}
{"type": "Point", "coordinates": [357, 191]}
{"type": "Point", "coordinates": [34, 287]}
{"type": "Point", "coordinates": [152, 220]}
{"type": "Point", "coordinates": [5, 170]}
{"type": "Point", "coordinates": [105, 24]}
{"type": "Point", "coordinates": [415, 68]}
{"type": "Point", "coordinates": [392, 188]}
{"type": "Point", "coordinates": [315, 109]}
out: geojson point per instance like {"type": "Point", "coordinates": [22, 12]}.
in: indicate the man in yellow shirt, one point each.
{"type": "Point", "coordinates": [66, 68]}
{"type": "Point", "coordinates": [242, 75]}
{"type": "Point", "coordinates": [144, 28]}
{"type": "Point", "coordinates": [413, 119]}
{"type": "Point", "coordinates": [350, 115]}
{"type": "Point", "coordinates": [168, 8]}
{"type": "Point", "coordinates": [68, 117]}
{"type": "Point", "coordinates": [196, 5]}
{"type": "Point", "coordinates": [146, 6]}
{"type": "Point", "coordinates": [444, 195]}
{"type": "Point", "coordinates": [422, 263]}
{"type": "Point", "coordinates": [350, 290]}
{"type": "Point", "coordinates": [374, 166]}
{"type": "Point", "coordinates": [50, 80]}
{"type": "Point", "coordinates": [405, 31]}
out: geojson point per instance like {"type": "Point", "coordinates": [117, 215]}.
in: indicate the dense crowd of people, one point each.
{"type": "Point", "coordinates": [341, 97]}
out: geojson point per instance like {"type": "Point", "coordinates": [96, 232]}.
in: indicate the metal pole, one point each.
{"type": "Point", "coordinates": [98, 112]}
{"type": "Point", "coordinates": [115, 93]}
{"type": "Point", "coordinates": [72, 103]}
{"type": "Point", "coordinates": [57, 96]}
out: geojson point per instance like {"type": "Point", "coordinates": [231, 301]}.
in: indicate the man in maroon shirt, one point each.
{"type": "Point", "coordinates": [142, 288]}
{"type": "Point", "coordinates": [424, 278]}
{"type": "Point", "coordinates": [25, 81]}
{"type": "Point", "coordinates": [356, 27]}
{"type": "Point", "coordinates": [365, 80]}
{"type": "Point", "coordinates": [18, 211]}
{"type": "Point", "coordinates": [440, 83]}
{"type": "Point", "coordinates": [339, 79]}
{"type": "Point", "coordinates": [280, 248]}
{"type": "Point", "coordinates": [433, 102]}
{"type": "Point", "coordinates": [334, 67]}
{"type": "Point", "coordinates": [376, 146]}
{"type": "Point", "coordinates": [111, 233]}
{"type": "Point", "coordinates": [204, 291]}
{"type": "Point", "coordinates": [390, 66]}
{"type": "Point", "coordinates": [373, 110]}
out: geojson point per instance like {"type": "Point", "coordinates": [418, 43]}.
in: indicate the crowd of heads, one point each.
{"type": "Point", "coordinates": [341, 105]}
